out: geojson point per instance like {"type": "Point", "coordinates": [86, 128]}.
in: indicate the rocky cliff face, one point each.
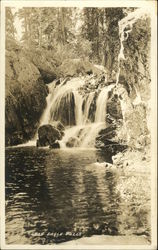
{"type": "Point", "coordinates": [127, 108]}
{"type": "Point", "coordinates": [135, 69]}
{"type": "Point", "coordinates": [135, 79]}
{"type": "Point", "coordinates": [107, 139]}
{"type": "Point", "coordinates": [25, 94]}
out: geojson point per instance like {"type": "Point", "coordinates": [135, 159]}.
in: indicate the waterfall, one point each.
{"type": "Point", "coordinates": [87, 109]}
{"type": "Point", "coordinates": [63, 91]}
{"type": "Point", "coordinates": [84, 130]}
{"type": "Point", "coordinates": [88, 101]}
{"type": "Point", "coordinates": [101, 104]}
{"type": "Point", "coordinates": [78, 108]}
{"type": "Point", "coordinates": [45, 117]}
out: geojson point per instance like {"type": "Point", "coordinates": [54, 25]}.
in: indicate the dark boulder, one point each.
{"type": "Point", "coordinates": [107, 142]}
{"type": "Point", "coordinates": [58, 125]}
{"type": "Point", "coordinates": [55, 145]}
{"type": "Point", "coordinates": [107, 131]}
{"type": "Point", "coordinates": [48, 135]}
{"type": "Point", "coordinates": [106, 134]}
{"type": "Point", "coordinates": [110, 147]}
{"type": "Point", "coordinates": [47, 76]}
{"type": "Point", "coordinates": [58, 81]}
{"type": "Point", "coordinates": [72, 142]}
{"type": "Point", "coordinates": [114, 107]}
{"type": "Point", "coordinates": [25, 95]}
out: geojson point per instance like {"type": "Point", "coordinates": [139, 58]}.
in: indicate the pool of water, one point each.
{"type": "Point", "coordinates": [54, 196]}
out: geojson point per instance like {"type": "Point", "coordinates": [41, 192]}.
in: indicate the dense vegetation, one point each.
{"type": "Point", "coordinates": [90, 33]}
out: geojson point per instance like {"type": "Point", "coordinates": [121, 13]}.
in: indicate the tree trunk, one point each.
{"type": "Point", "coordinates": [63, 26]}
{"type": "Point", "coordinates": [40, 32]}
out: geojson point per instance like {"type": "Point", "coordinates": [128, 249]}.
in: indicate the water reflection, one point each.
{"type": "Point", "coordinates": [58, 195]}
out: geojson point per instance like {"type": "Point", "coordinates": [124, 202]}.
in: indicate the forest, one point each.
{"type": "Point", "coordinates": [69, 32]}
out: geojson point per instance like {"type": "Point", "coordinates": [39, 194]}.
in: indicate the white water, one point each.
{"type": "Point", "coordinates": [88, 100]}
{"type": "Point", "coordinates": [64, 90]}
{"type": "Point", "coordinates": [78, 108]}
{"type": "Point", "coordinates": [87, 125]}
{"type": "Point", "coordinates": [101, 104]}
{"type": "Point", "coordinates": [45, 117]}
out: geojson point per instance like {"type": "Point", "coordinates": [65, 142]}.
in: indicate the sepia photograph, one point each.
{"type": "Point", "coordinates": [79, 145]}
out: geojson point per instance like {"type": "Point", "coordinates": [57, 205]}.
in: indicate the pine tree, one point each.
{"type": "Point", "coordinates": [10, 29]}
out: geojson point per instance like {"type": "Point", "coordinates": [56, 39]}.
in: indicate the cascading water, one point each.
{"type": "Point", "coordinates": [45, 117]}
{"type": "Point", "coordinates": [85, 128]}
{"type": "Point", "coordinates": [78, 107]}
{"type": "Point", "coordinates": [64, 90]}
{"type": "Point", "coordinates": [101, 104]}
{"type": "Point", "coordinates": [87, 106]}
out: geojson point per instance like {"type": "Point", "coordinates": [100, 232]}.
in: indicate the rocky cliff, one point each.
{"type": "Point", "coordinates": [127, 107]}
{"type": "Point", "coordinates": [26, 75]}
{"type": "Point", "coordinates": [135, 78]}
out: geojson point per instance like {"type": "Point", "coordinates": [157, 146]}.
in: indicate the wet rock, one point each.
{"type": "Point", "coordinates": [110, 146]}
{"type": "Point", "coordinates": [72, 142]}
{"type": "Point", "coordinates": [23, 109]}
{"type": "Point", "coordinates": [55, 145]}
{"type": "Point", "coordinates": [108, 132]}
{"type": "Point", "coordinates": [58, 81]}
{"type": "Point", "coordinates": [25, 91]}
{"type": "Point", "coordinates": [105, 137]}
{"type": "Point", "coordinates": [58, 125]}
{"type": "Point", "coordinates": [47, 76]}
{"type": "Point", "coordinates": [38, 143]}
{"type": "Point", "coordinates": [48, 135]}
{"type": "Point", "coordinates": [114, 107]}
{"type": "Point", "coordinates": [135, 78]}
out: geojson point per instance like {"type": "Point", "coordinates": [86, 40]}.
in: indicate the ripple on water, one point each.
{"type": "Point", "coordinates": [53, 191]}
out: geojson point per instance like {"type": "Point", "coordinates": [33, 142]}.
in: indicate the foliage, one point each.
{"type": "Point", "coordinates": [71, 32]}
{"type": "Point", "coordinates": [10, 29]}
